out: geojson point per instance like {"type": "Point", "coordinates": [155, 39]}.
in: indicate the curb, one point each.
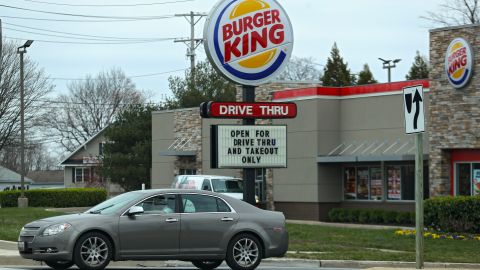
{"type": "Point", "coordinates": [16, 261]}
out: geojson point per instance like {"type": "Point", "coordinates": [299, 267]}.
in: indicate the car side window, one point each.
{"type": "Point", "coordinates": [222, 206]}
{"type": "Point", "coordinates": [193, 203]}
{"type": "Point", "coordinates": [161, 204]}
{"type": "Point", "coordinates": [206, 185]}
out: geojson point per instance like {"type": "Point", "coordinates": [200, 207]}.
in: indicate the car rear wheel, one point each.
{"type": "Point", "coordinates": [93, 251]}
{"type": "Point", "coordinates": [207, 265]}
{"type": "Point", "coordinates": [244, 252]}
{"type": "Point", "coordinates": [59, 265]}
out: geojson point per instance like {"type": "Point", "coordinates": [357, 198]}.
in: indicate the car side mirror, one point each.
{"type": "Point", "coordinates": [135, 210]}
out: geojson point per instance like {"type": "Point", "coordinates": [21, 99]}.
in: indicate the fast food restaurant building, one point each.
{"type": "Point", "coordinates": [347, 146]}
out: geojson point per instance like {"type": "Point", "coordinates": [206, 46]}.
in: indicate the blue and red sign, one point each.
{"type": "Point", "coordinates": [459, 63]}
{"type": "Point", "coordinates": [248, 41]}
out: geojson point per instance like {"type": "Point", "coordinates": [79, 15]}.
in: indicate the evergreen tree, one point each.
{"type": "Point", "coordinates": [365, 76]}
{"type": "Point", "coordinates": [336, 72]}
{"type": "Point", "coordinates": [419, 69]}
{"type": "Point", "coordinates": [128, 150]}
{"type": "Point", "coordinates": [206, 84]}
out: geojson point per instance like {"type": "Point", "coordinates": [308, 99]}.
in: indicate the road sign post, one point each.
{"type": "Point", "coordinates": [415, 124]}
{"type": "Point", "coordinates": [419, 200]}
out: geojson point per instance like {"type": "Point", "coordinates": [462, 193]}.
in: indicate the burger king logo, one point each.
{"type": "Point", "coordinates": [248, 41]}
{"type": "Point", "coordinates": [459, 62]}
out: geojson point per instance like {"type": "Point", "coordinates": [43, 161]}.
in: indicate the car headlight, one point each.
{"type": "Point", "coordinates": [56, 229]}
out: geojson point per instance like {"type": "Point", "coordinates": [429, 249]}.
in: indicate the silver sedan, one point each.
{"type": "Point", "coordinates": [198, 226]}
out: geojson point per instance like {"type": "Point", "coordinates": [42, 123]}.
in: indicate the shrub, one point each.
{"type": "Point", "coordinates": [371, 216]}
{"type": "Point", "coordinates": [389, 217]}
{"type": "Point", "coordinates": [453, 214]}
{"type": "Point", "coordinates": [71, 197]}
{"type": "Point", "coordinates": [333, 215]}
{"type": "Point", "coordinates": [404, 218]}
{"type": "Point", "coordinates": [363, 216]}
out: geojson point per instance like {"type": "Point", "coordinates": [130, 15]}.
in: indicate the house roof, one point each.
{"type": "Point", "coordinates": [50, 176]}
{"type": "Point", "coordinates": [63, 162]}
{"type": "Point", "coordinates": [8, 176]}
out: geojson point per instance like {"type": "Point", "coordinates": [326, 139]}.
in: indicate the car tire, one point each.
{"type": "Point", "coordinates": [207, 265]}
{"type": "Point", "coordinates": [244, 252]}
{"type": "Point", "coordinates": [93, 251]}
{"type": "Point", "coordinates": [59, 265]}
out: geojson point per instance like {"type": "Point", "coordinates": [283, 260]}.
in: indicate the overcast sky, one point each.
{"type": "Point", "coordinates": [364, 30]}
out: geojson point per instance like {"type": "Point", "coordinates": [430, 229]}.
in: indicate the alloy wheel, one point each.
{"type": "Point", "coordinates": [94, 251]}
{"type": "Point", "coordinates": [245, 252]}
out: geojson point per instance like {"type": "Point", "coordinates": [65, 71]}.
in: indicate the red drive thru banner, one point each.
{"type": "Point", "coordinates": [256, 110]}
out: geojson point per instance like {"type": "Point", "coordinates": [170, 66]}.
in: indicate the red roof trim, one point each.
{"type": "Point", "coordinates": [348, 91]}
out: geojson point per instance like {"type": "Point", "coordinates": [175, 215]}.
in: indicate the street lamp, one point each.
{"type": "Point", "coordinates": [22, 200]}
{"type": "Point", "coordinates": [389, 64]}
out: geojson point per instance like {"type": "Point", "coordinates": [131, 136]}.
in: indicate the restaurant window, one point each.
{"type": "Point", "coordinates": [467, 179]}
{"type": "Point", "coordinates": [260, 184]}
{"type": "Point", "coordinates": [367, 183]}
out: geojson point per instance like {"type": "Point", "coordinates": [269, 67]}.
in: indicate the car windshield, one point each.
{"type": "Point", "coordinates": [115, 203]}
{"type": "Point", "coordinates": [227, 185]}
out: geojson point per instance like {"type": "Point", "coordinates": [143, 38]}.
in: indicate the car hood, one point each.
{"type": "Point", "coordinates": [72, 218]}
{"type": "Point", "coordinates": [234, 195]}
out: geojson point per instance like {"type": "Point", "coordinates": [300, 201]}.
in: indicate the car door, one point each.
{"type": "Point", "coordinates": [207, 222]}
{"type": "Point", "coordinates": [154, 232]}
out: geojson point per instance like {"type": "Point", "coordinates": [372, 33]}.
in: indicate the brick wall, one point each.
{"type": "Point", "coordinates": [188, 124]}
{"type": "Point", "coordinates": [454, 113]}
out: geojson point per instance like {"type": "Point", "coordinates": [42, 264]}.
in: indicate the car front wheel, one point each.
{"type": "Point", "coordinates": [244, 252]}
{"type": "Point", "coordinates": [93, 251]}
{"type": "Point", "coordinates": [207, 265]}
{"type": "Point", "coordinates": [59, 265]}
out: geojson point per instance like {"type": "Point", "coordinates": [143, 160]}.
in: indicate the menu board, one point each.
{"type": "Point", "coordinates": [362, 183]}
{"type": "Point", "coordinates": [349, 183]}
{"type": "Point", "coordinates": [376, 184]}
{"type": "Point", "coordinates": [394, 183]}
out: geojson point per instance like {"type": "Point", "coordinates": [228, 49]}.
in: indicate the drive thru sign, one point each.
{"type": "Point", "coordinates": [413, 106]}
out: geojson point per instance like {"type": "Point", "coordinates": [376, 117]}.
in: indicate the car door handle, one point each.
{"type": "Point", "coordinates": [227, 219]}
{"type": "Point", "coordinates": [171, 220]}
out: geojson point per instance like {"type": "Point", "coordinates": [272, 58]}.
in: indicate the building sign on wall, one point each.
{"type": "Point", "coordinates": [248, 41]}
{"type": "Point", "coordinates": [249, 146]}
{"type": "Point", "coordinates": [459, 63]}
{"type": "Point", "coordinates": [257, 110]}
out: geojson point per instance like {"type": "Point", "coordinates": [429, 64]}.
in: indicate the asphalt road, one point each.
{"type": "Point", "coordinates": [185, 268]}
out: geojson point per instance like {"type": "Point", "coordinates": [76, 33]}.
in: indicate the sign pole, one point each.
{"type": "Point", "coordinates": [248, 93]}
{"type": "Point", "coordinates": [419, 200]}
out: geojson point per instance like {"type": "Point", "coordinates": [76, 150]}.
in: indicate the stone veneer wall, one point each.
{"type": "Point", "coordinates": [188, 124]}
{"type": "Point", "coordinates": [264, 93]}
{"type": "Point", "coordinates": [454, 114]}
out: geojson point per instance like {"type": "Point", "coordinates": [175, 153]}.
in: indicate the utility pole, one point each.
{"type": "Point", "coordinates": [22, 200]}
{"type": "Point", "coordinates": [192, 42]}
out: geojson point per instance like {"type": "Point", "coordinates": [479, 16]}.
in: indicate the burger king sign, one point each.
{"type": "Point", "coordinates": [248, 41]}
{"type": "Point", "coordinates": [458, 63]}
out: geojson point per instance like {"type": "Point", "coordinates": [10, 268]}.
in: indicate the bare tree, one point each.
{"type": "Point", "coordinates": [36, 87]}
{"type": "Point", "coordinates": [300, 69]}
{"type": "Point", "coordinates": [454, 12]}
{"type": "Point", "coordinates": [91, 105]}
{"type": "Point", "coordinates": [37, 157]}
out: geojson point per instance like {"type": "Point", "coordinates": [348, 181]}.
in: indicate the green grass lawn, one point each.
{"type": "Point", "coordinates": [326, 243]}
{"type": "Point", "coordinates": [13, 219]}
{"type": "Point", "coordinates": [376, 245]}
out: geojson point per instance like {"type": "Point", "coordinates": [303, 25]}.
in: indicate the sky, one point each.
{"type": "Point", "coordinates": [363, 30]}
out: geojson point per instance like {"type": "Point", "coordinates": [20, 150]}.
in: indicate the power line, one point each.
{"type": "Point", "coordinates": [82, 35]}
{"type": "Point", "coordinates": [80, 21]}
{"type": "Point", "coordinates": [106, 5]}
{"type": "Point", "coordinates": [135, 76]}
{"type": "Point", "coordinates": [90, 16]}
{"type": "Point", "coordinates": [91, 43]}
{"type": "Point", "coordinates": [85, 38]}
